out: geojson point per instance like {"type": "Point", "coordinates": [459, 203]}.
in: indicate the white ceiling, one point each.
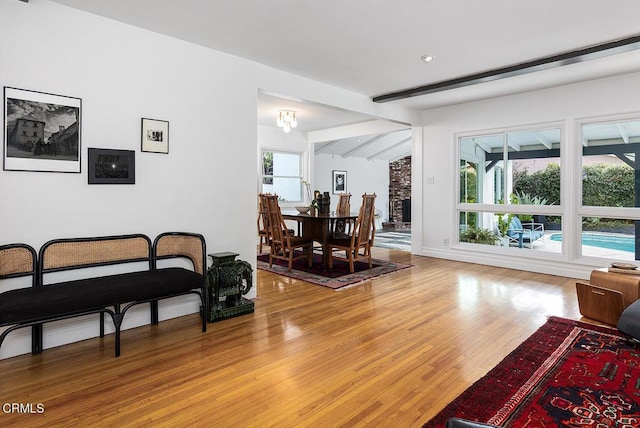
{"type": "Point", "coordinates": [374, 47]}
{"type": "Point", "coordinates": [311, 117]}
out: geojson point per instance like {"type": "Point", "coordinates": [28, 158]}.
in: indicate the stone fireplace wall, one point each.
{"type": "Point", "coordinates": [399, 187]}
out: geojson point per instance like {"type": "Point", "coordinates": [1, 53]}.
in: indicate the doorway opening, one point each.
{"type": "Point", "coordinates": [396, 233]}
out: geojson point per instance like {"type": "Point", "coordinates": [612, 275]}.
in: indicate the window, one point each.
{"type": "Point", "coordinates": [501, 170]}
{"type": "Point", "coordinates": [610, 192]}
{"type": "Point", "coordinates": [282, 175]}
{"type": "Point", "coordinates": [468, 181]}
{"type": "Point", "coordinates": [513, 163]}
{"type": "Point", "coordinates": [523, 230]}
{"type": "Point", "coordinates": [609, 156]}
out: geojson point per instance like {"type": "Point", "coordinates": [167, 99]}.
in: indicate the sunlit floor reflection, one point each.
{"type": "Point", "coordinates": [471, 292]}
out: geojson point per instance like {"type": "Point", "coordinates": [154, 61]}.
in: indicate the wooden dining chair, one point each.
{"type": "Point", "coordinates": [263, 221]}
{"type": "Point", "coordinates": [263, 233]}
{"type": "Point", "coordinates": [283, 242]}
{"type": "Point", "coordinates": [361, 237]}
{"type": "Point", "coordinates": [342, 227]}
{"type": "Point", "coordinates": [343, 206]}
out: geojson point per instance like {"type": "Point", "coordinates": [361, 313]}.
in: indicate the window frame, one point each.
{"type": "Point", "coordinates": [585, 211]}
{"type": "Point", "coordinates": [262, 176]}
{"type": "Point", "coordinates": [506, 207]}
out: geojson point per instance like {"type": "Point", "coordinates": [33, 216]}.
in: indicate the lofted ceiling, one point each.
{"type": "Point", "coordinates": [389, 144]}
{"type": "Point", "coordinates": [373, 47]}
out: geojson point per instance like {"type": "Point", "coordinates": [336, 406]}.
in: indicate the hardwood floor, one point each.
{"type": "Point", "coordinates": [387, 353]}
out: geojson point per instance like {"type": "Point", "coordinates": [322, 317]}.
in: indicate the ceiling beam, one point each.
{"type": "Point", "coordinates": [322, 147]}
{"type": "Point", "coordinates": [388, 149]}
{"type": "Point", "coordinates": [363, 145]}
{"type": "Point", "coordinates": [515, 146]}
{"type": "Point", "coordinates": [542, 141]}
{"type": "Point", "coordinates": [572, 57]}
{"type": "Point", "coordinates": [623, 133]}
{"type": "Point", "coordinates": [371, 127]}
{"type": "Point", "coordinates": [402, 156]}
{"type": "Point", "coordinates": [483, 146]}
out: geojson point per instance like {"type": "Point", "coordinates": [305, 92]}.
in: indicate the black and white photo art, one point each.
{"type": "Point", "coordinates": [42, 131]}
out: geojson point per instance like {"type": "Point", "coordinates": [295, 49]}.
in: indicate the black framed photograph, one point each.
{"type": "Point", "coordinates": [339, 182]}
{"type": "Point", "coordinates": [155, 136]}
{"type": "Point", "coordinates": [42, 131]}
{"type": "Point", "coordinates": [109, 166]}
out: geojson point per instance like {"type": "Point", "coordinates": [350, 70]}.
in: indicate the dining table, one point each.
{"type": "Point", "coordinates": [319, 227]}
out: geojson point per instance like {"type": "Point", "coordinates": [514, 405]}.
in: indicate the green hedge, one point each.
{"type": "Point", "coordinates": [608, 186]}
{"type": "Point", "coordinates": [543, 184]}
{"type": "Point", "coordinates": [602, 185]}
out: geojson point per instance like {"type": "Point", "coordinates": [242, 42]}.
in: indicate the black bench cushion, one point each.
{"type": "Point", "coordinates": [84, 295]}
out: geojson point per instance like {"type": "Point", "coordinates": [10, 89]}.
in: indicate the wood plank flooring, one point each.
{"type": "Point", "coordinates": [388, 353]}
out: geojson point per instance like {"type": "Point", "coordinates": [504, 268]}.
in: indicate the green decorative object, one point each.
{"type": "Point", "coordinates": [228, 280]}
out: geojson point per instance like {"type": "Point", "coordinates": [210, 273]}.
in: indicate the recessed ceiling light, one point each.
{"type": "Point", "coordinates": [426, 58]}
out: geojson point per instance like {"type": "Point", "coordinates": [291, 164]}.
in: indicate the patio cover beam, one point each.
{"type": "Point", "coordinates": [618, 150]}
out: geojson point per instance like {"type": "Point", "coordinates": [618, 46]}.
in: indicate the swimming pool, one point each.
{"type": "Point", "coordinates": [612, 242]}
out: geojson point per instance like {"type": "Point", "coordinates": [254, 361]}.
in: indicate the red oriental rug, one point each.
{"type": "Point", "coordinates": [567, 374]}
{"type": "Point", "coordinates": [336, 278]}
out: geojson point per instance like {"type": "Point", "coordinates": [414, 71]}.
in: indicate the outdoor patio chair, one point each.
{"type": "Point", "coordinates": [361, 237]}
{"type": "Point", "coordinates": [522, 234]}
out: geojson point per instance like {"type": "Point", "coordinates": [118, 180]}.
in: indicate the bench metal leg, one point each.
{"type": "Point", "coordinates": [204, 297]}
{"type": "Point", "coordinates": [117, 322]}
{"type": "Point", "coordinates": [36, 339]}
{"type": "Point", "coordinates": [101, 324]}
{"type": "Point", "coordinates": [154, 312]}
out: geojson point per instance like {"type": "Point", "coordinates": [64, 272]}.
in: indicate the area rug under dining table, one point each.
{"type": "Point", "coordinates": [338, 277]}
{"type": "Point", "coordinates": [568, 373]}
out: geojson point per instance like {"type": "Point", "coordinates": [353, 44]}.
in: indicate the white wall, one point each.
{"type": "Point", "coordinates": [363, 176]}
{"type": "Point", "coordinates": [207, 182]}
{"type": "Point", "coordinates": [123, 74]}
{"type": "Point", "coordinates": [563, 104]}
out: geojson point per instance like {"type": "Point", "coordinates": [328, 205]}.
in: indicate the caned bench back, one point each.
{"type": "Point", "coordinates": [182, 244]}
{"type": "Point", "coordinates": [17, 260]}
{"type": "Point", "coordinates": [65, 254]}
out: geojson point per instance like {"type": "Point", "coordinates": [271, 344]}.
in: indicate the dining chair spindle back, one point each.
{"type": "Point", "coordinates": [360, 239]}
{"type": "Point", "coordinates": [283, 242]}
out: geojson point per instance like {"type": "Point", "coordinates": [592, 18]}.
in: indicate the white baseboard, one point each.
{"type": "Point", "coordinates": [538, 265]}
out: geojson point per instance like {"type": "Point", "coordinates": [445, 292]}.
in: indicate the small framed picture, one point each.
{"type": "Point", "coordinates": [155, 136]}
{"type": "Point", "coordinates": [42, 131]}
{"type": "Point", "coordinates": [108, 166]}
{"type": "Point", "coordinates": [339, 182]}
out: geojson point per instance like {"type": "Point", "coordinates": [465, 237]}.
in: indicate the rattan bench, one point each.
{"type": "Point", "coordinates": [110, 294]}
